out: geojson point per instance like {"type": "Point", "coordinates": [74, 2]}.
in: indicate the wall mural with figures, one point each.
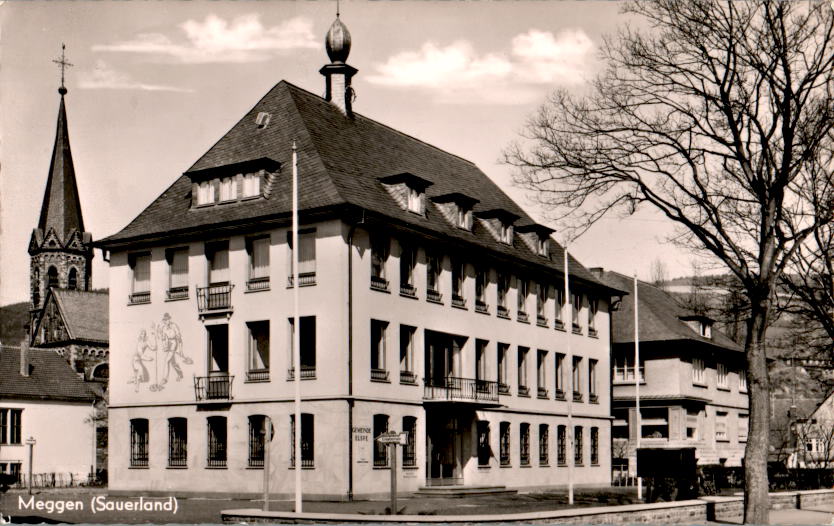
{"type": "Point", "coordinates": [159, 352]}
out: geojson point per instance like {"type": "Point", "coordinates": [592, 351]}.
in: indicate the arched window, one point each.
{"type": "Point", "coordinates": [72, 279]}
{"type": "Point", "coordinates": [101, 372]}
{"type": "Point", "coordinates": [52, 277]}
{"type": "Point", "coordinates": [36, 290]}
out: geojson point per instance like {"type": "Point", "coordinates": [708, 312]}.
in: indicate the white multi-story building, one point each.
{"type": "Point", "coordinates": [430, 304]}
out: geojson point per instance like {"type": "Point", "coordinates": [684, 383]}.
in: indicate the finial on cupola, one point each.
{"type": "Point", "coordinates": [64, 65]}
{"type": "Point", "coordinates": [338, 74]}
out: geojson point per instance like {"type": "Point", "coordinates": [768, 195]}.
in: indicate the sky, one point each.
{"type": "Point", "coordinates": [155, 84]}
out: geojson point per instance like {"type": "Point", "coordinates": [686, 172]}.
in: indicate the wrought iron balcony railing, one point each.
{"type": "Point", "coordinates": [177, 293]}
{"type": "Point", "coordinates": [254, 284]}
{"type": "Point", "coordinates": [305, 279]}
{"type": "Point", "coordinates": [503, 312]}
{"type": "Point", "coordinates": [434, 296]}
{"type": "Point", "coordinates": [408, 290]}
{"type": "Point", "coordinates": [213, 388]}
{"type": "Point", "coordinates": [407, 377]}
{"type": "Point", "coordinates": [257, 375]}
{"type": "Point", "coordinates": [453, 388]}
{"type": "Point", "coordinates": [379, 283]}
{"type": "Point", "coordinates": [523, 317]}
{"type": "Point", "coordinates": [139, 297]}
{"type": "Point", "coordinates": [458, 301]}
{"type": "Point", "coordinates": [481, 307]}
{"type": "Point", "coordinates": [379, 375]}
{"type": "Point", "coordinates": [215, 297]}
{"type": "Point", "coordinates": [308, 372]}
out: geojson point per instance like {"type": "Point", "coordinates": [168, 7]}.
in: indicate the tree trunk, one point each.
{"type": "Point", "coordinates": [756, 501]}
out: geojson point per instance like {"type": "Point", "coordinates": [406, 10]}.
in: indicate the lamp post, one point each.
{"type": "Point", "coordinates": [31, 443]}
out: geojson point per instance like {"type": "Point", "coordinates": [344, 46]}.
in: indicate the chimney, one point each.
{"type": "Point", "coordinates": [24, 357]}
{"type": "Point", "coordinates": [338, 74]}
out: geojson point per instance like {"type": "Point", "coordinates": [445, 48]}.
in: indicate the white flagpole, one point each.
{"type": "Point", "coordinates": [296, 336]}
{"type": "Point", "coordinates": [570, 387]}
{"type": "Point", "coordinates": [637, 385]}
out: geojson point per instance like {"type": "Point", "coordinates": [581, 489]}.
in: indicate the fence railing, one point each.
{"type": "Point", "coordinates": [214, 297]}
{"type": "Point", "coordinates": [455, 388]}
{"type": "Point", "coordinates": [217, 387]}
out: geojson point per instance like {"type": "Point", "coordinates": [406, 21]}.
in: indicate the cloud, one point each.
{"type": "Point", "coordinates": [105, 77]}
{"type": "Point", "coordinates": [215, 40]}
{"type": "Point", "coordinates": [457, 73]}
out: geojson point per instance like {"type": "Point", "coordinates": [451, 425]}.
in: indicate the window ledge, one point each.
{"type": "Point", "coordinates": [176, 467]}
{"type": "Point", "coordinates": [217, 467]}
{"type": "Point", "coordinates": [167, 299]}
{"type": "Point", "coordinates": [483, 468]}
{"type": "Point", "coordinates": [699, 384]}
{"type": "Point", "coordinates": [525, 466]}
{"type": "Point", "coordinates": [410, 467]}
{"type": "Point", "coordinates": [577, 330]}
{"type": "Point", "coordinates": [506, 465]}
{"type": "Point", "coordinates": [255, 468]}
{"type": "Point", "coordinates": [138, 467]}
{"type": "Point", "coordinates": [250, 291]}
{"type": "Point", "coordinates": [592, 333]}
{"type": "Point", "coordinates": [544, 464]}
{"type": "Point", "coordinates": [594, 464]}
{"type": "Point", "coordinates": [382, 468]}
{"type": "Point", "coordinates": [723, 388]}
{"type": "Point", "coordinates": [303, 468]}
{"type": "Point", "coordinates": [629, 382]}
{"type": "Point", "coordinates": [559, 326]}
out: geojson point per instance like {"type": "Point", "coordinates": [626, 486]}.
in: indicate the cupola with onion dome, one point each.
{"type": "Point", "coordinates": [338, 74]}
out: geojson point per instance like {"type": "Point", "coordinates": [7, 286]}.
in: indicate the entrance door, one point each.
{"type": "Point", "coordinates": [442, 357]}
{"type": "Point", "coordinates": [444, 451]}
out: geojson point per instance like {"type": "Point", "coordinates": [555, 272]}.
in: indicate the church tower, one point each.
{"type": "Point", "coordinates": [60, 250]}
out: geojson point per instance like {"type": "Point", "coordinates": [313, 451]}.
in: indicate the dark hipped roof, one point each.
{"type": "Point", "coordinates": [85, 313]}
{"type": "Point", "coordinates": [50, 378]}
{"type": "Point", "coordinates": [341, 161]}
{"type": "Point", "coordinates": [659, 316]}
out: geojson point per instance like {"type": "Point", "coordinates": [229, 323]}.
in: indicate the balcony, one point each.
{"type": "Point", "coordinates": [257, 375]}
{"type": "Point", "coordinates": [408, 290]}
{"type": "Point", "coordinates": [214, 298]}
{"type": "Point", "coordinates": [139, 297]}
{"type": "Point", "coordinates": [176, 293]}
{"type": "Point", "coordinates": [456, 389]}
{"type": "Point", "coordinates": [305, 279]}
{"type": "Point", "coordinates": [458, 301]}
{"type": "Point", "coordinates": [379, 283]}
{"type": "Point", "coordinates": [408, 377]}
{"type": "Point", "coordinates": [257, 284]}
{"type": "Point", "coordinates": [379, 375]}
{"type": "Point", "coordinates": [434, 296]}
{"type": "Point", "coordinates": [215, 388]}
{"type": "Point", "coordinates": [308, 372]}
{"type": "Point", "coordinates": [481, 307]}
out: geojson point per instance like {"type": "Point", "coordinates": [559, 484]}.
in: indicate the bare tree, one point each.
{"type": "Point", "coordinates": [658, 273]}
{"type": "Point", "coordinates": [718, 114]}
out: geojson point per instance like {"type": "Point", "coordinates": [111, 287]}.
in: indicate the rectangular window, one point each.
{"type": "Point", "coordinates": [524, 444]}
{"type": "Point", "coordinates": [380, 449]}
{"type": "Point", "coordinates": [480, 360]}
{"type": "Point", "coordinates": [415, 200]}
{"type": "Point", "coordinates": [177, 259]}
{"type": "Point", "coordinates": [594, 446]}
{"type": "Point", "coordinates": [218, 348]}
{"type": "Point", "coordinates": [578, 452]}
{"type": "Point", "coordinates": [379, 372]}
{"type": "Point", "coordinates": [177, 442]}
{"type": "Point", "coordinates": [541, 303]}
{"type": "Point", "coordinates": [139, 443]}
{"type": "Point", "coordinates": [258, 251]}
{"type": "Point", "coordinates": [692, 417]}
{"type": "Point", "coordinates": [506, 233]}
{"type": "Point", "coordinates": [484, 451]}
{"type": "Point", "coordinates": [723, 376]}
{"type": "Point", "coordinates": [140, 266]}
{"type": "Point", "coordinates": [379, 259]}
{"type": "Point", "coordinates": [410, 446]}
{"type": "Point", "coordinates": [216, 441]}
{"type": "Point", "coordinates": [503, 368]}
{"type": "Point", "coordinates": [721, 434]}
{"type": "Point", "coordinates": [307, 339]}
{"type": "Point", "coordinates": [577, 378]}
{"type": "Point", "coordinates": [306, 258]}
{"type": "Point", "coordinates": [458, 276]}
{"type": "Point", "coordinates": [257, 440]}
{"type": "Point", "coordinates": [205, 193]}
{"type": "Point", "coordinates": [504, 430]}
{"type": "Point", "coordinates": [544, 447]}
{"type": "Point", "coordinates": [433, 274]}
{"type": "Point", "coordinates": [593, 306]}
{"type": "Point", "coordinates": [307, 441]}
{"type": "Point", "coordinates": [522, 296]}
{"type": "Point", "coordinates": [217, 256]}
{"type": "Point", "coordinates": [576, 308]}
{"type": "Point", "coordinates": [592, 381]}
{"type": "Point", "coordinates": [742, 380]}
{"type": "Point", "coordinates": [624, 368]}
{"type": "Point", "coordinates": [698, 375]}
{"type": "Point", "coordinates": [541, 373]}
{"type": "Point", "coordinates": [251, 185]}
{"type": "Point", "coordinates": [407, 354]}
{"type": "Point", "coordinates": [561, 445]}
{"type": "Point", "coordinates": [258, 366]}
{"type": "Point", "coordinates": [464, 217]}
{"type": "Point", "coordinates": [560, 375]}
{"type": "Point", "coordinates": [654, 422]}
{"type": "Point", "coordinates": [559, 306]}
{"type": "Point", "coordinates": [10, 426]}
{"type": "Point", "coordinates": [481, 281]}
{"type": "Point", "coordinates": [408, 261]}
{"type": "Point", "coordinates": [619, 427]}
{"type": "Point", "coordinates": [228, 189]}
{"type": "Point", "coordinates": [522, 371]}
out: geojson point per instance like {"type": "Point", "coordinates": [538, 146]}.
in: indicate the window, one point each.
{"type": "Point", "coordinates": [480, 360]}
{"type": "Point", "coordinates": [379, 258]}
{"type": "Point", "coordinates": [380, 449]}
{"type": "Point", "coordinates": [723, 376]}
{"type": "Point", "coordinates": [524, 444]}
{"type": "Point", "coordinates": [458, 276]}
{"type": "Point", "coordinates": [464, 217]}
{"type": "Point", "coordinates": [501, 298]}
{"type": "Point", "coordinates": [177, 259]}
{"type": "Point", "coordinates": [592, 380]}
{"type": "Point", "coordinates": [228, 189]}
{"type": "Point", "coordinates": [252, 182]}
{"type": "Point", "coordinates": [742, 380]}
{"type": "Point", "coordinates": [654, 422]}
{"type": "Point", "coordinates": [698, 376]}
{"type": "Point", "coordinates": [624, 368]}
{"type": "Point", "coordinates": [506, 233]}
{"type": "Point", "coordinates": [433, 276]}
{"type": "Point", "coordinates": [306, 258]}
{"type": "Point", "coordinates": [561, 445]}
{"type": "Point", "coordinates": [593, 306]}
{"type": "Point", "coordinates": [541, 246]}
{"type": "Point", "coordinates": [218, 348]}
{"type": "Point", "coordinates": [72, 279]}
{"type": "Point", "coordinates": [177, 442]}
{"type": "Point", "coordinates": [10, 426]}
{"type": "Point", "coordinates": [307, 441]}
{"type": "Point", "coordinates": [503, 368]}
{"type": "Point", "coordinates": [541, 373]}
{"type": "Point", "coordinates": [560, 376]}
{"type": "Point", "coordinates": [139, 443]}
{"type": "Point", "coordinates": [559, 305]}
{"type": "Point", "coordinates": [522, 297]}
{"type": "Point", "coordinates": [257, 440]}
{"type": "Point", "coordinates": [577, 378]}
{"type": "Point", "coordinates": [410, 446]}
{"type": "Point", "coordinates": [743, 426]}
{"type": "Point", "coordinates": [205, 193]}
{"type": "Point", "coordinates": [415, 200]}
{"type": "Point", "coordinates": [721, 434]}
{"type": "Point", "coordinates": [408, 260]}
{"type": "Point", "coordinates": [484, 452]}
{"type": "Point", "coordinates": [216, 441]}
{"type": "Point", "coordinates": [258, 369]}
{"type": "Point", "coordinates": [578, 453]}
{"type": "Point", "coordinates": [378, 368]}
{"type": "Point", "coordinates": [522, 371]}
{"type": "Point", "coordinates": [692, 417]}
{"type": "Point", "coordinates": [217, 255]}
{"type": "Point", "coordinates": [594, 446]}
{"type": "Point", "coordinates": [140, 266]}
{"type": "Point", "coordinates": [576, 303]}
{"type": "Point", "coordinates": [619, 427]}
{"type": "Point", "coordinates": [481, 280]}
{"type": "Point", "coordinates": [36, 289]}
{"type": "Point", "coordinates": [258, 250]}
{"type": "Point", "coordinates": [541, 303]}
{"type": "Point", "coordinates": [504, 429]}
{"type": "Point", "coordinates": [13, 469]}
{"type": "Point", "coordinates": [307, 339]}
{"type": "Point", "coordinates": [407, 354]}
{"type": "Point", "coordinates": [544, 454]}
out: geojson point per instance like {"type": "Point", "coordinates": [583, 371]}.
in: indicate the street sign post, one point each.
{"type": "Point", "coordinates": [392, 439]}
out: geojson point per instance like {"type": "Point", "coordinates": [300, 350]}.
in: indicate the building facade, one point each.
{"type": "Point", "coordinates": [693, 388]}
{"type": "Point", "coordinates": [430, 304]}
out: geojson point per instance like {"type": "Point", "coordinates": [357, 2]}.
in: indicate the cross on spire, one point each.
{"type": "Point", "coordinates": [64, 65]}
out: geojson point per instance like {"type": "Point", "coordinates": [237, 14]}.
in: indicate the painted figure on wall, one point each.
{"type": "Point", "coordinates": [144, 347]}
{"type": "Point", "coordinates": [165, 337]}
{"type": "Point", "coordinates": [171, 339]}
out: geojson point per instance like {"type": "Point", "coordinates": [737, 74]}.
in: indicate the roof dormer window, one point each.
{"type": "Point", "coordinates": [251, 185]}
{"type": "Point", "coordinates": [706, 329]}
{"type": "Point", "coordinates": [541, 246]}
{"type": "Point", "coordinates": [408, 190]}
{"type": "Point", "coordinates": [464, 217]}
{"type": "Point", "coordinates": [205, 193]}
{"type": "Point", "coordinates": [416, 198]}
{"type": "Point", "coordinates": [228, 189]}
{"type": "Point", "coordinates": [507, 233]}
